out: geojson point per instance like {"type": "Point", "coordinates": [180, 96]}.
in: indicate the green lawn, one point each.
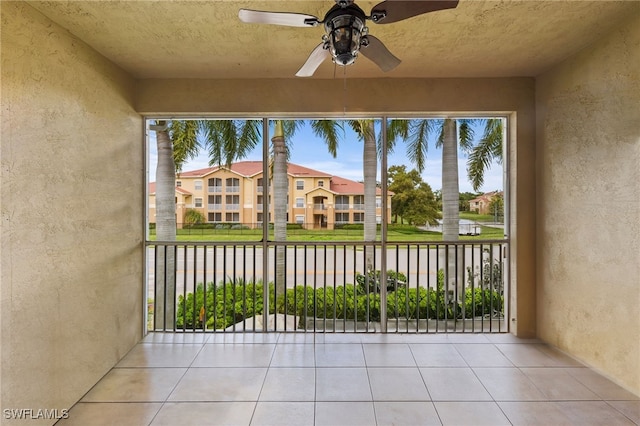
{"type": "Point", "coordinates": [394, 233]}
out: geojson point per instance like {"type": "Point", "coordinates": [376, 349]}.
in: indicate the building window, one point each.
{"type": "Point", "coordinates": [198, 185]}
{"type": "Point", "coordinates": [342, 217]}
{"type": "Point", "coordinates": [179, 183]}
{"type": "Point", "coordinates": [215, 217]}
{"type": "Point", "coordinates": [378, 202]}
{"type": "Point", "coordinates": [342, 202]}
{"type": "Point", "coordinates": [358, 202]}
{"type": "Point", "coordinates": [300, 219]}
{"type": "Point", "coordinates": [233, 185]}
{"type": "Point", "coordinates": [259, 217]}
{"type": "Point", "coordinates": [232, 202]}
{"type": "Point", "coordinates": [378, 220]}
{"type": "Point", "coordinates": [320, 183]}
{"type": "Point", "coordinates": [358, 217]}
{"type": "Point", "coordinates": [300, 202]}
{"type": "Point", "coordinates": [198, 202]}
{"type": "Point", "coordinates": [215, 185]}
{"type": "Point", "coordinates": [260, 185]}
{"type": "Point", "coordinates": [232, 217]}
{"type": "Point", "coordinates": [299, 184]}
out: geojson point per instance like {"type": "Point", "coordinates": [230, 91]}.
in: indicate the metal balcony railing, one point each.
{"type": "Point", "coordinates": [407, 287]}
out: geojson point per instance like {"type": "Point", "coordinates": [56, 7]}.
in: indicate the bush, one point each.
{"type": "Point", "coordinates": [226, 304]}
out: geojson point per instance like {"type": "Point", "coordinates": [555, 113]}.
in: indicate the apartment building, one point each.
{"type": "Point", "coordinates": [235, 194]}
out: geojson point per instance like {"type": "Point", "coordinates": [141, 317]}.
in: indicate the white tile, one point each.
{"type": "Point", "coordinates": [284, 414]}
{"type": "Point", "coordinates": [161, 355]}
{"type": "Point", "coordinates": [437, 355]}
{"type": "Point", "coordinates": [339, 355]}
{"type": "Point", "coordinates": [508, 384]}
{"type": "Point", "coordinates": [600, 385]}
{"type": "Point", "coordinates": [593, 413]}
{"type": "Point", "coordinates": [235, 355]}
{"type": "Point", "coordinates": [558, 385]}
{"type": "Point", "coordinates": [388, 355]}
{"type": "Point", "coordinates": [289, 355]}
{"type": "Point", "coordinates": [220, 384]}
{"type": "Point", "coordinates": [135, 385]}
{"type": "Point", "coordinates": [345, 413]}
{"type": "Point", "coordinates": [204, 414]}
{"type": "Point", "coordinates": [471, 413]}
{"type": "Point", "coordinates": [289, 384]}
{"type": "Point", "coordinates": [110, 413]}
{"type": "Point", "coordinates": [342, 384]}
{"type": "Point", "coordinates": [482, 355]}
{"type": "Point", "coordinates": [397, 384]}
{"type": "Point", "coordinates": [406, 413]}
{"type": "Point", "coordinates": [454, 384]}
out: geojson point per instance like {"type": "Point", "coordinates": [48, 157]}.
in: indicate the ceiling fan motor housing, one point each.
{"type": "Point", "coordinates": [345, 27]}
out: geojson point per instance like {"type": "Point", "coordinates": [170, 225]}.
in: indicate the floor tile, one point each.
{"type": "Point", "coordinates": [161, 355]}
{"type": "Point", "coordinates": [406, 413]}
{"type": "Point", "coordinates": [526, 355]}
{"type": "Point", "coordinates": [508, 384]}
{"type": "Point", "coordinates": [631, 409]}
{"type": "Point", "coordinates": [345, 414]}
{"type": "Point", "coordinates": [600, 385]}
{"type": "Point", "coordinates": [175, 338]}
{"type": "Point", "coordinates": [454, 384]}
{"type": "Point", "coordinates": [220, 384]}
{"type": "Point", "coordinates": [388, 355]}
{"type": "Point", "coordinates": [534, 413]}
{"type": "Point", "coordinates": [339, 355]}
{"type": "Point", "coordinates": [436, 355]}
{"type": "Point", "coordinates": [288, 355]}
{"type": "Point", "coordinates": [509, 338]}
{"type": "Point", "coordinates": [289, 384]}
{"type": "Point", "coordinates": [482, 355]}
{"type": "Point", "coordinates": [560, 357]}
{"type": "Point", "coordinates": [135, 385]}
{"type": "Point", "coordinates": [110, 413]}
{"type": "Point", "coordinates": [595, 413]}
{"type": "Point", "coordinates": [470, 413]}
{"type": "Point", "coordinates": [245, 338]}
{"type": "Point", "coordinates": [284, 414]}
{"type": "Point", "coordinates": [204, 414]}
{"type": "Point", "coordinates": [397, 384]}
{"type": "Point", "coordinates": [235, 355]}
{"type": "Point", "coordinates": [342, 384]}
{"type": "Point", "coordinates": [558, 385]}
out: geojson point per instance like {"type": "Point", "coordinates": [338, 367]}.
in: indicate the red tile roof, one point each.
{"type": "Point", "coordinates": [152, 189]}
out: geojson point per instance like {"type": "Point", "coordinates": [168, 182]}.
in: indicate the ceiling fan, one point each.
{"type": "Point", "coordinates": [346, 30]}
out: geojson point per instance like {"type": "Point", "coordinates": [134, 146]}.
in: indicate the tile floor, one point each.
{"type": "Point", "coordinates": [351, 379]}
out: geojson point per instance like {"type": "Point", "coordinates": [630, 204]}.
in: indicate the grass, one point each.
{"type": "Point", "coordinates": [394, 233]}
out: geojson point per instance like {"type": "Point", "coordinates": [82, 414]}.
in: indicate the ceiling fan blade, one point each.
{"type": "Point", "coordinates": [379, 54]}
{"type": "Point", "coordinates": [277, 18]}
{"type": "Point", "coordinates": [317, 56]}
{"type": "Point", "coordinates": [396, 10]}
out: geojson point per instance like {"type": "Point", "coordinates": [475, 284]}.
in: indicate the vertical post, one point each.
{"type": "Point", "coordinates": [265, 223]}
{"type": "Point", "coordinates": [383, 230]}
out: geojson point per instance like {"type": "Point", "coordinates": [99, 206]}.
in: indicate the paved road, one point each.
{"type": "Point", "coordinates": [315, 266]}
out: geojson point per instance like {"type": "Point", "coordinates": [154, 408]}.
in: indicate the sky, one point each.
{"type": "Point", "coordinates": [310, 151]}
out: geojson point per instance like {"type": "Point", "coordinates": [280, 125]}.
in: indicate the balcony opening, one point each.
{"type": "Point", "coordinates": [386, 231]}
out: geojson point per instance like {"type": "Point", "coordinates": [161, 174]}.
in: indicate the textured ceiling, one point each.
{"type": "Point", "coordinates": [205, 39]}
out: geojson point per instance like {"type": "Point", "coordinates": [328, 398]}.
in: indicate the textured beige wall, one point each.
{"type": "Point", "coordinates": [71, 230]}
{"type": "Point", "coordinates": [588, 127]}
{"type": "Point", "coordinates": [514, 97]}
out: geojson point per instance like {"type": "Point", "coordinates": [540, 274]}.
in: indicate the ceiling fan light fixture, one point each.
{"type": "Point", "coordinates": [345, 27]}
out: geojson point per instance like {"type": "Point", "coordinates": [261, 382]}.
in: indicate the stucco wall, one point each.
{"type": "Point", "coordinates": [588, 129]}
{"type": "Point", "coordinates": [71, 232]}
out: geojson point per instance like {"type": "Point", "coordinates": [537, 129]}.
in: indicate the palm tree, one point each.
{"type": "Point", "coordinates": [176, 141]}
{"type": "Point", "coordinates": [488, 149]}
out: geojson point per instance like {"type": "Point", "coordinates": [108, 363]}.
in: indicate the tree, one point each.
{"type": "Point", "coordinates": [193, 217]}
{"type": "Point", "coordinates": [488, 149]}
{"type": "Point", "coordinates": [176, 141]}
{"type": "Point", "coordinates": [496, 206]}
{"type": "Point", "coordinates": [413, 199]}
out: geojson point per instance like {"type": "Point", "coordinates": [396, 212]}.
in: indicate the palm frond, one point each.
{"type": "Point", "coordinates": [331, 131]}
{"type": "Point", "coordinates": [418, 142]}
